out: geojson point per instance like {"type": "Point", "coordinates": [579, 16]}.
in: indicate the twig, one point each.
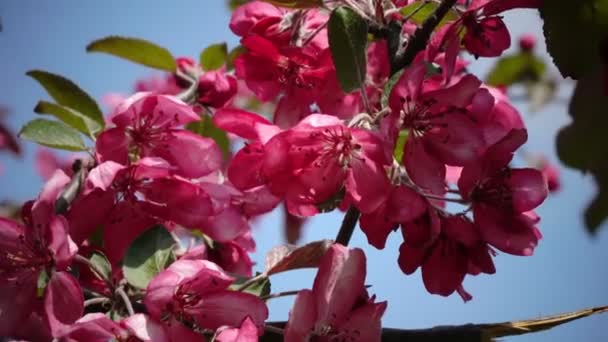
{"type": "Point", "coordinates": [274, 329]}
{"type": "Point", "coordinates": [250, 282]}
{"type": "Point", "coordinates": [348, 226]}
{"type": "Point", "coordinates": [121, 292]}
{"type": "Point", "coordinates": [95, 301]}
{"type": "Point", "coordinates": [280, 294]}
{"type": "Point", "coordinates": [421, 36]}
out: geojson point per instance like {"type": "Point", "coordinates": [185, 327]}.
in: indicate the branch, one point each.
{"type": "Point", "coordinates": [420, 38]}
{"type": "Point", "coordinates": [348, 226]}
{"type": "Point", "coordinates": [123, 295]}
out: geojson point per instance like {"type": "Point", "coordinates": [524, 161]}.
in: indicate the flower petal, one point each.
{"type": "Point", "coordinates": [63, 302]}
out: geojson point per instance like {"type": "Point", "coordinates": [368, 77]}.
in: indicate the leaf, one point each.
{"type": "Point", "coordinates": [68, 94]}
{"type": "Point", "coordinates": [422, 13]}
{"type": "Point", "coordinates": [148, 255]}
{"type": "Point", "coordinates": [519, 67]}
{"type": "Point", "coordinates": [102, 264]}
{"type": "Point", "coordinates": [388, 87]}
{"type": "Point", "coordinates": [259, 288]}
{"type": "Point", "coordinates": [400, 145]}
{"type": "Point", "coordinates": [289, 257]}
{"type": "Point", "coordinates": [582, 144]}
{"type": "Point", "coordinates": [573, 40]}
{"type": "Point", "coordinates": [70, 117]}
{"type": "Point", "coordinates": [52, 134]}
{"type": "Point", "coordinates": [214, 56]}
{"type": "Point", "coordinates": [206, 128]}
{"type": "Point", "coordinates": [296, 3]}
{"type": "Point", "coordinates": [135, 50]}
{"type": "Point", "coordinates": [347, 33]}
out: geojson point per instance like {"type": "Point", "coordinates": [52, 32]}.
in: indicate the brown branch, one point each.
{"type": "Point", "coordinates": [348, 226]}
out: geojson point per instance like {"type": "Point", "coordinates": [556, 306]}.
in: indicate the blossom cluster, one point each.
{"type": "Point", "coordinates": [396, 154]}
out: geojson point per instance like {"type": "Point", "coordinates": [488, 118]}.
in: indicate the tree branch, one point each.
{"type": "Point", "coordinates": [421, 36]}
{"type": "Point", "coordinates": [348, 226]}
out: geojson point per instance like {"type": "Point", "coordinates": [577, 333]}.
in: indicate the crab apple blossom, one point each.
{"type": "Point", "coordinates": [503, 197]}
{"type": "Point", "coordinates": [41, 244]}
{"type": "Point", "coordinates": [97, 327]}
{"type": "Point", "coordinates": [338, 306]}
{"type": "Point", "coordinates": [148, 125]}
{"type": "Point", "coordinates": [197, 291]}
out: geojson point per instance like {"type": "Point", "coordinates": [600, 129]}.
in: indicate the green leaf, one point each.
{"type": "Point", "coordinates": [388, 87]}
{"type": "Point", "coordinates": [296, 3]}
{"type": "Point", "coordinates": [347, 33]}
{"type": "Point", "coordinates": [422, 13]}
{"type": "Point", "coordinates": [214, 56]}
{"type": "Point", "coordinates": [573, 40]}
{"type": "Point", "coordinates": [101, 263]}
{"type": "Point", "coordinates": [520, 67]}
{"type": "Point", "coordinates": [68, 94]}
{"type": "Point", "coordinates": [259, 288]}
{"type": "Point", "coordinates": [148, 255]}
{"type": "Point", "coordinates": [206, 128]}
{"type": "Point", "coordinates": [582, 144]}
{"type": "Point", "coordinates": [52, 134]}
{"type": "Point", "coordinates": [135, 50]}
{"type": "Point", "coordinates": [69, 116]}
{"type": "Point", "coordinates": [41, 283]}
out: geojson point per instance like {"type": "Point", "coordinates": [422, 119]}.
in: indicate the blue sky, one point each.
{"type": "Point", "coordinates": [566, 273]}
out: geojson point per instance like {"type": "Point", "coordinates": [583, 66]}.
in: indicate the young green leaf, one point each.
{"type": "Point", "coordinates": [214, 56]}
{"type": "Point", "coordinates": [232, 55]}
{"type": "Point", "coordinates": [148, 255]}
{"type": "Point", "coordinates": [347, 33]}
{"type": "Point", "coordinates": [41, 283]}
{"type": "Point", "coordinates": [419, 11]}
{"type": "Point", "coordinates": [516, 68]}
{"type": "Point", "coordinates": [101, 263]}
{"type": "Point", "coordinates": [69, 116]}
{"type": "Point", "coordinates": [68, 94]}
{"type": "Point", "coordinates": [259, 288]}
{"type": "Point", "coordinates": [135, 50]}
{"type": "Point", "coordinates": [52, 134]}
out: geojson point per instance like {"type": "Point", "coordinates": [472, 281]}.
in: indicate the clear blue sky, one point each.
{"type": "Point", "coordinates": [567, 272]}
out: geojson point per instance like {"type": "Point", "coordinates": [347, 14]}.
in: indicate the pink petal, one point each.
{"type": "Point", "coordinates": [88, 212]}
{"type": "Point", "coordinates": [408, 86]}
{"type": "Point", "coordinates": [113, 145]}
{"type": "Point", "coordinates": [460, 229]}
{"type": "Point", "coordinates": [93, 327]}
{"type": "Point", "coordinates": [178, 332]}
{"type": "Point", "coordinates": [63, 302]}
{"type": "Point", "coordinates": [102, 176]}
{"type": "Point", "coordinates": [410, 258]}
{"type": "Point", "coordinates": [367, 184]}
{"type": "Point", "coordinates": [145, 329]}
{"type": "Point", "coordinates": [302, 317]}
{"type": "Point", "coordinates": [248, 332]}
{"type": "Point", "coordinates": [123, 226]}
{"type": "Point", "coordinates": [239, 122]}
{"type": "Point", "coordinates": [444, 270]}
{"type": "Point", "coordinates": [458, 142]}
{"type": "Point", "coordinates": [425, 170]}
{"type": "Point", "coordinates": [338, 283]}
{"type": "Point", "coordinates": [377, 226]}
{"type": "Point", "coordinates": [228, 308]}
{"type": "Point", "coordinates": [488, 38]}
{"type": "Point", "coordinates": [529, 188]}
{"type": "Point", "coordinates": [60, 243]}
{"type": "Point", "coordinates": [17, 298]}
{"type": "Point", "coordinates": [195, 156]}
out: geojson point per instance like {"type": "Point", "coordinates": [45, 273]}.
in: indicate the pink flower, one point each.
{"type": "Point", "coordinates": [552, 175]}
{"type": "Point", "coordinates": [527, 42]}
{"type": "Point", "coordinates": [41, 245]}
{"type": "Point", "coordinates": [147, 125]}
{"type": "Point", "coordinates": [338, 306]}
{"type": "Point", "coordinates": [311, 162]}
{"type": "Point", "coordinates": [502, 197]}
{"type": "Point", "coordinates": [197, 292]}
{"type": "Point", "coordinates": [446, 249]}
{"type": "Point", "coordinates": [441, 129]}
{"type": "Point", "coordinates": [260, 16]}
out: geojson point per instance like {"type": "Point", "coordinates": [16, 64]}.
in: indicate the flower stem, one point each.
{"type": "Point", "coordinates": [348, 226]}
{"type": "Point", "coordinates": [274, 329]}
{"type": "Point", "coordinates": [95, 301]}
{"type": "Point", "coordinates": [123, 295]}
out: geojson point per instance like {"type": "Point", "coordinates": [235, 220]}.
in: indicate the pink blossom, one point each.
{"type": "Point", "coordinates": [247, 332]}
{"type": "Point", "coordinates": [41, 245]}
{"type": "Point", "coordinates": [338, 305]}
{"type": "Point", "coordinates": [196, 291]}
{"type": "Point", "coordinates": [502, 197]}
{"type": "Point", "coordinates": [97, 327]}
{"type": "Point", "coordinates": [527, 42]}
{"type": "Point", "coordinates": [216, 89]}
{"type": "Point", "coordinates": [148, 125]}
